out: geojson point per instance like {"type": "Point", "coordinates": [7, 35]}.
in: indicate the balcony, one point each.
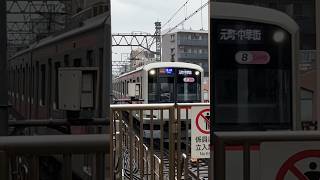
{"type": "Point", "coordinates": [187, 42]}
{"type": "Point", "coordinates": [192, 56]}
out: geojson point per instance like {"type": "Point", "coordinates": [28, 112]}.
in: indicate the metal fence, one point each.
{"type": "Point", "coordinates": [152, 141]}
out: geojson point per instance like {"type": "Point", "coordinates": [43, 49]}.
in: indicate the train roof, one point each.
{"type": "Point", "coordinates": [252, 13]}
{"type": "Point", "coordinates": [164, 64]}
{"type": "Point", "coordinates": [87, 25]}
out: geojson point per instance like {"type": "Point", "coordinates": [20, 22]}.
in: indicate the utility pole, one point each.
{"type": "Point", "coordinates": [104, 168]}
{"type": "Point", "coordinates": [158, 40]}
{"type": "Point", "coordinates": [317, 68]}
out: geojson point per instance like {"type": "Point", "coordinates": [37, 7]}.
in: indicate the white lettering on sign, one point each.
{"type": "Point", "coordinates": [185, 72]}
{"type": "Point", "coordinates": [241, 34]}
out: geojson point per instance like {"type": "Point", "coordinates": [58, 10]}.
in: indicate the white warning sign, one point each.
{"type": "Point", "coordinates": [200, 132]}
{"type": "Point", "coordinates": [290, 160]}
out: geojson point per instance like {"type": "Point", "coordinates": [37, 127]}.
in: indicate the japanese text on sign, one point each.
{"type": "Point", "coordinates": [241, 34]}
{"type": "Point", "coordinates": [200, 132]}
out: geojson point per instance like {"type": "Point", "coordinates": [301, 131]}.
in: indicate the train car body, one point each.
{"type": "Point", "coordinates": [163, 82]}
{"type": "Point", "coordinates": [33, 72]}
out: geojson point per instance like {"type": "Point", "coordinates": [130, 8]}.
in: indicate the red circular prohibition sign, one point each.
{"type": "Point", "coordinates": [200, 114]}
{"type": "Point", "coordinates": [289, 165]}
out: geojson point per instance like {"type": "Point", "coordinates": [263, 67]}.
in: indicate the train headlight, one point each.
{"type": "Point", "coordinates": [278, 36]}
{"type": "Point", "coordinates": [152, 72]}
{"type": "Point", "coordinates": [197, 73]}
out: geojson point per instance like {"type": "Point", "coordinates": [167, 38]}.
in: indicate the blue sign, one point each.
{"type": "Point", "coordinates": [169, 71]}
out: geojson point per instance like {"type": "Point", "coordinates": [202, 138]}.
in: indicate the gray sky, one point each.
{"type": "Point", "coordinates": [140, 15]}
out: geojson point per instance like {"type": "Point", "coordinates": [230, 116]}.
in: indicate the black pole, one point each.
{"type": "Point", "coordinates": [3, 88]}
{"type": "Point", "coordinates": [104, 169]}
{"type": "Point", "coordinates": [3, 70]}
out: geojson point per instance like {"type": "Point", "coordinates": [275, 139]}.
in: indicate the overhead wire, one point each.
{"type": "Point", "coordinates": [187, 18]}
{"type": "Point", "coordinates": [175, 13]}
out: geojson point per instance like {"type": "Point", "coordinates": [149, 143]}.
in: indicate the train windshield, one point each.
{"type": "Point", "coordinates": [168, 85]}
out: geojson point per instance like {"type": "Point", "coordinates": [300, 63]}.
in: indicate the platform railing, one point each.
{"type": "Point", "coordinates": [148, 141]}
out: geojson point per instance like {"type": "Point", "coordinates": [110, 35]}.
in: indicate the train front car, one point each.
{"type": "Point", "coordinates": [173, 82]}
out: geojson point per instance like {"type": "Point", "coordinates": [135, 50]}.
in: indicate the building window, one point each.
{"type": "Point", "coordinates": [172, 58]}
{"type": "Point", "coordinates": [195, 50]}
{"type": "Point", "coordinates": [172, 37]}
{"type": "Point", "coordinates": [172, 50]}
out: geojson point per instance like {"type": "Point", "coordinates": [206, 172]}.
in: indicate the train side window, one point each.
{"type": "Point", "coordinates": [32, 84]}
{"type": "Point", "coordinates": [43, 85]}
{"type": "Point", "coordinates": [9, 77]}
{"type": "Point", "coordinates": [23, 83]}
{"type": "Point", "coordinates": [141, 91]}
{"type": "Point", "coordinates": [122, 88]}
{"type": "Point", "coordinates": [20, 82]}
{"type": "Point", "coordinates": [29, 82]}
{"type": "Point", "coordinates": [56, 71]}
{"type": "Point", "coordinates": [26, 83]}
{"type": "Point", "coordinates": [95, 11]}
{"type": "Point", "coordinates": [90, 58]}
{"type": "Point", "coordinates": [14, 80]}
{"type": "Point", "coordinates": [127, 86]}
{"type": "Point", "coordinates": [100, 55]}
{"type": "Point", "coordinates": [66, 60]}
{"type": "Point", "coordinates": [49, 89]}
